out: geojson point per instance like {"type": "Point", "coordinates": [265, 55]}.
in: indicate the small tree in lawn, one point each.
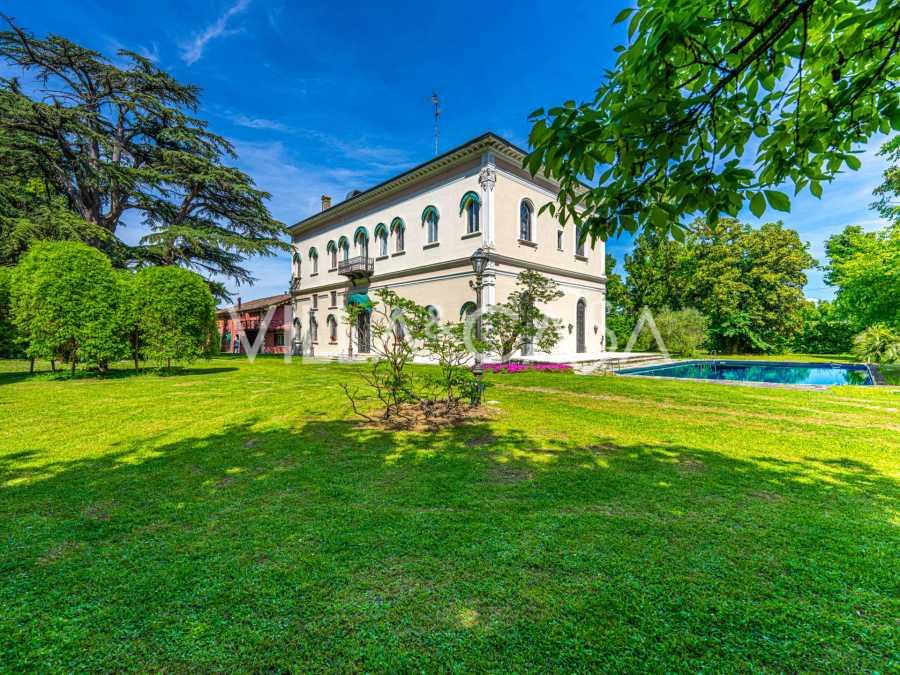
{"type": "Point", "coordinates": [512, 325]}
{"type": "Point", "coordinates": [396, 326]}
{"type": "Point", "coordinates": [447, 345]}
{"type": "Point", "coordinates": [177, 315]}
{"type": "Point", "coordinates": [65, 304]}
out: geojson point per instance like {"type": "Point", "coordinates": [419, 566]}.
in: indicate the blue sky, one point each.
{"type": "Point", "coordinates": [329, 97]}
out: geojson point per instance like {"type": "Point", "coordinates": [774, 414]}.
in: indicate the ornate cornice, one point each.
{"type": "Point", "coordinates": [488, 142]}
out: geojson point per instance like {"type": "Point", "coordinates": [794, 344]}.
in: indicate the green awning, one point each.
{"type": "Point", "coordinates": [361, 299]}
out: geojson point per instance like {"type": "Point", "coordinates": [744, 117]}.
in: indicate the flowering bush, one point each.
{"type": "Point", "coordinates": [522, 367]}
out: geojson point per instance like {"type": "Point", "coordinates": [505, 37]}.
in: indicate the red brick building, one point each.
{"type": "Point", "coordinates": [250, 316]}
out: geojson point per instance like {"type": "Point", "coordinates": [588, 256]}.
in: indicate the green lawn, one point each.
{"type": "Point", "coordinates": [237, 517]}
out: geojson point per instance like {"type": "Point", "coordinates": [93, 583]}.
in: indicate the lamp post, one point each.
{"type": "Point", "coordinates": [479, 263]}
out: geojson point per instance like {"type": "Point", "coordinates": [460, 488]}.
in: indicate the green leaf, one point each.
{"type": "Point", "coordinates": [757, 204]}
{"type": "Point", "coordinates": [658, 217]}
{"type": "Point", "coordinates": [778, 200]}
{"type": "Point", "coordinates": [816, 188]}
{"type": "Point", "coordinates": [624, 14]}
{"type": "Point", "coordinates": [852, 161]}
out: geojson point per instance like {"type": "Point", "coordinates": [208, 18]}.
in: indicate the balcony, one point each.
{"type": "Point", "coordinates": [254, 323]}
{"type": "Point", "coordinates": [355, 268]}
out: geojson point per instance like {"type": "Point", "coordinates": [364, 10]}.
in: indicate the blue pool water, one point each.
{"type": "Point", "coordinates": [774, 372]}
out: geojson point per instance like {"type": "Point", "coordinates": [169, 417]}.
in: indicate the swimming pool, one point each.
{"type": "Point", "coordinates": [772, 372]}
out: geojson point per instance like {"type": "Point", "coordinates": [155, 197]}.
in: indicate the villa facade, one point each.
{"type": "Point", "coordinates": [416, 232]}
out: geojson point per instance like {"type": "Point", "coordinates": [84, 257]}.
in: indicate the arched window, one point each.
{"type": "Point", "coordinates": [466, 310]}
{"type": "Point", "coordinates": [430, 219]}
{"type": "Point", "coordinates": [526, 220]}
{"type": "Point", "coordinates": [471, 204]}
{"type": "Point", "coordinates": [398, 229]}
{"type": "Point", "coordinates": [331, 249]}
{"type": "Point", "coordinates": [580, 333]}
{"type": "Point", "coordinates": [433, 313]}
{"type": "Point", "coordinates": [314, 260]}
{"type": "Point", "coordinates": [344, 247]}
{"type": "Point", "coordinates": [361, 241]}
{"type": "Point", "coordinates": [381, 239]}
{"type": "Point", "coordinates": [313, 328]}
{"type": "Point", "coordinates": [296, 261]}
{"type": "Point", "coordinates": [332, 328]}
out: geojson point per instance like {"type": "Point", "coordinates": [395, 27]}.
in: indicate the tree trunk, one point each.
{"type": "Point", "coordinates": [53, 365]}
{"type": "Point", "coordinates": [31, 366]}
{"type": "Point", "coordinates": [168, 364]}
{"type": "Point", "coordinates": [136, 365]}
{"type": "Point", "coordinates": [73, 365]}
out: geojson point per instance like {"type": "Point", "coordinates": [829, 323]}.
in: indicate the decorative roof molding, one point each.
{"type": "Point", "coordinates": [488, 142]}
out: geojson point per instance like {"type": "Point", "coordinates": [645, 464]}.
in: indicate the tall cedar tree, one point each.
{"type": "Point", "coordinates": [114, 139]}
{"type": "Point", "coordinates": [714, 103]}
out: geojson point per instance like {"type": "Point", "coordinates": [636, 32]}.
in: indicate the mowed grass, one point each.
{"type": "Point", "coordinates": [237, 517]}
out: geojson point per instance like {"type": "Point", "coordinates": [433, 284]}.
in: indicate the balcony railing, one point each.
{"type": "Point", "coordinates": [361, 266]}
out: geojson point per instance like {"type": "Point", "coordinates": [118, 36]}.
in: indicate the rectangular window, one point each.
{"type": "Point", "coordinates": [279, 339]}
{"type": "Point", "coordinates": [334, 298]}
{"type": "Point", "coordinates": [472, 213]}
{"type": "Point", "coordinates": [559, 240]}
{"type": "Point", "coordinates": [382, 242]}
{"type": "Point", "coordinates": [315, 302]}
{"type": "Point", "coordinates": [315, 264]}
{"type": "Point", "coordinates": [399, 239]}
{"type": "Point", "coordinates": [579, 245]}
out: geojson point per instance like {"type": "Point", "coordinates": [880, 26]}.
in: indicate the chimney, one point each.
{"type": "Point", "coordinates": [239, 304]}
{"type": "Point", "coordinates": [326, 202]}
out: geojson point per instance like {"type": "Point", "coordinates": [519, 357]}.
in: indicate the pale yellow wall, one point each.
{"type": "Point", "coordinates": [509, 193]}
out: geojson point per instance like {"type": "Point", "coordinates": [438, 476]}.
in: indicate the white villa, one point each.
{"type": "Point", "coordinates": [416, 233]}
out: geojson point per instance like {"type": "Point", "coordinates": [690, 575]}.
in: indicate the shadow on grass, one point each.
{"type": "Point", "coordinates": [63, 374]}
{"type": "Point", "coordinates": [337, 546]}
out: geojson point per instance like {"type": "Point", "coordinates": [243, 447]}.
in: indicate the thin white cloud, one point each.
{"type": "Point", "coordinates": [192, 51]}
{"type": "Point", "coordinates": [258, 123]}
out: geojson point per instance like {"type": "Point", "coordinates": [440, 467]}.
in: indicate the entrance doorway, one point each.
{"type": "Point", "coordinates": [363, 332]}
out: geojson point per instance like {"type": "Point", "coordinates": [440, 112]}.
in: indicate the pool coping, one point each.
{"type": "Point", "coordinates": [874, 374]}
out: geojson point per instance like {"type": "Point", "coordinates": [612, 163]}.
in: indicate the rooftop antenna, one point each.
{"type": "Point", "coordinates": [437, 120]}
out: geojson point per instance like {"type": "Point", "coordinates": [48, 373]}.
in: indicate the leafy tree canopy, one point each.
{"type": "Point", "coordinates": [9, 347]}
{"type": "Point", "coordinates": [747, 282]}
{"type": "Point", "coordinates": [30, 212]}
{"type": "Point", "coordinates": [177, 315]}
{"type": "Point", "coordinates": [865, 267]}
{"type": "Point", "coordinates": [887, 201]}
{"type": "Point", "coordinates": [64, 303]}
{"type": "Point", "coordinates": [706, 89]}
{"type": "Point", "coordinates": [113, 139]}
